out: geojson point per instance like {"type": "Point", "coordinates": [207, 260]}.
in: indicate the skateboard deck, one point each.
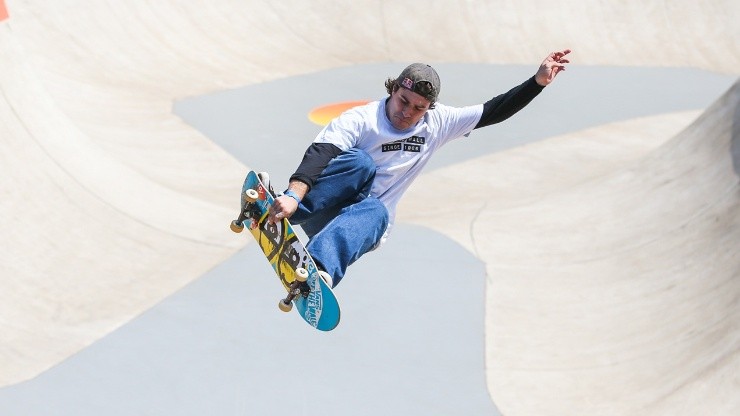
{"type": "Point", "coordinates": [296, 270]}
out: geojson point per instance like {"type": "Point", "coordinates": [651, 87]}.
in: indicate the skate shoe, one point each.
{"type": "Point", "coordinates": [265, 179]}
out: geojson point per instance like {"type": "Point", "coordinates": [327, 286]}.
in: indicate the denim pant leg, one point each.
{"type": "Point", "coordinates": [340, 219]}
{"type": "Point", "coordinates": [346, 180]}
{"type": "Point", "coordinates": [355, 231]}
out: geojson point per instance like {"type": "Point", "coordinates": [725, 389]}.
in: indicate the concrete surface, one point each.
{"type": "Point", "coordinates": [611, 271]}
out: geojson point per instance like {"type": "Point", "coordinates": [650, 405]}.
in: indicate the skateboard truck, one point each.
{"type": "Point", "coordinates": [249, 211]}
{"type": "Point", "coordinates": [296, 289]}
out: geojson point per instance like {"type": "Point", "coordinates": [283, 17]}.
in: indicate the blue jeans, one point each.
{"type": "Point", "coordinates": [340, 218]}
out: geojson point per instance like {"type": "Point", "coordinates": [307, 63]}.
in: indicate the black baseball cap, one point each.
{"type": "Point", "coordinates": [421, 79]}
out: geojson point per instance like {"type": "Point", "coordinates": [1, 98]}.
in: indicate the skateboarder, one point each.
{"type": "Point", "coordinates": [345, 191]}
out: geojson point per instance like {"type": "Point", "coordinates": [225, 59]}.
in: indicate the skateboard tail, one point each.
{"type": "Point", "coordinates": [322, 315]}
{"type": "Point", "coordinates": [327, 324]}
{"type": "Point", "coordinates": [330, 314]}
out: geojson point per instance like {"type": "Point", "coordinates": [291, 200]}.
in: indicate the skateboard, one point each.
{"type": "Point", "coordinates": [312, 297]}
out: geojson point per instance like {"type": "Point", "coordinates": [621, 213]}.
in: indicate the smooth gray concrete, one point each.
{"type": "Point", "coordinates": [409, 344]}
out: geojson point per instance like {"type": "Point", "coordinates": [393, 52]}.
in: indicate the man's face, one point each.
{"type": "Point", "coordinates": [405, 108]}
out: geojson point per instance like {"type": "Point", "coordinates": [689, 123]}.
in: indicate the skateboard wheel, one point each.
{"type": "Point", "coordinates": [301, 274]}
{"type": "Point", "coordinates": [236, 227]}
{"type": "Point", "coordinates": [285, 307]}
{"type": "Point", "coordinates": [251, 195]}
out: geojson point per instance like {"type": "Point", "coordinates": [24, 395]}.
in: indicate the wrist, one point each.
{"type": "Point", "coordinates": [292, 195]}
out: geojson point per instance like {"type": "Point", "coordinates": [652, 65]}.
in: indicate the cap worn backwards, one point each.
{"type": "Point", "coordinates": [421, 79]}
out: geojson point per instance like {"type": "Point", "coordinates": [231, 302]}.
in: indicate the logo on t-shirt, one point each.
{"type": "Point", "coordinates": [411, 144]}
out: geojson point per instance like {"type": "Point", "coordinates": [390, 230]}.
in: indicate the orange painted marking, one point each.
{"type": "Point", "coordinates": [3, 11]}
{"type": "Point", "coordinates": [324, 114]}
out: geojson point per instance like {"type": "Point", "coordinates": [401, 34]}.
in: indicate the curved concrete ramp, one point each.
{"type": "Point", "coordinates": [618, 292]}
{"type": "Point", "coordinates": [611, 288]}
{"type": "Point", "coordinates": [104, 194]}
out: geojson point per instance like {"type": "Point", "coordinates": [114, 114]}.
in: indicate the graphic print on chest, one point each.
{"type": "Point", "coordinates": [411, 144]}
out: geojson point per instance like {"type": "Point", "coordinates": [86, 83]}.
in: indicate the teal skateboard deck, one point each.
{"type": "Point", "coordinates": [312, 297]}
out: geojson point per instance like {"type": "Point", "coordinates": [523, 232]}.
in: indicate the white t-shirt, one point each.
{"type": "Point", "coordinates": [399, 155]}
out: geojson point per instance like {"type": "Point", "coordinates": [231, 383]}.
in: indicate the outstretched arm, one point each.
{"type": "Point", "coordinates": [502, 107]}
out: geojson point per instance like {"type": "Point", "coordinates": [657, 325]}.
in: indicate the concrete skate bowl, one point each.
{"type": "Point", "coordinates": [611, 267]}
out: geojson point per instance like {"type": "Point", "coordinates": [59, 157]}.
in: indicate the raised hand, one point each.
{"type": "Point", "coordinates": [551, 66]}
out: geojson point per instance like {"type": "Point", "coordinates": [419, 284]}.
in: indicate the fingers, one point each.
{"type": "Point", "coordinates": [558, 56]}
{"type": "Point", "coordinates": [276, 216]}
{"type": "Point", "coordinates": [282, 208]}
{"type": "Point", "coordinates": [276, 213]}
{"type": "Point", "coordinates": [557, 62]}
